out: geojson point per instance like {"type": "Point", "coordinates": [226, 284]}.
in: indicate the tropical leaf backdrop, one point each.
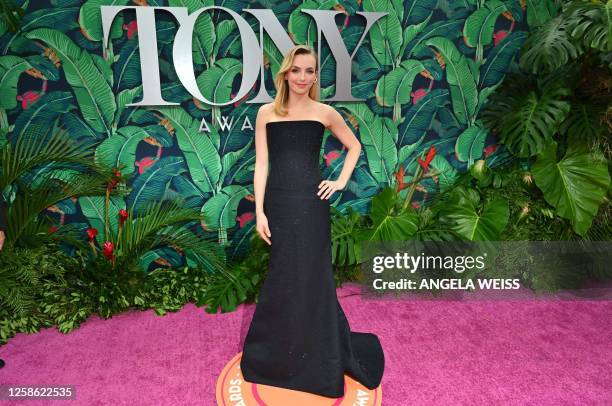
{"type": "Point", "coordinates": [425, 70]}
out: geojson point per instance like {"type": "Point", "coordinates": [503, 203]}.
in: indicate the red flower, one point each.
{"type": "Point", "coordinates": [123, 215]}
{"type": "Point", "coordinates": [52, 229]}
{"type": "Point", "coordinates": [112, 184]}
{"type": "Point", "coordinates": [108, 249]}
{"type": "Point", "coordinates": [115, 180]}
{"type": "Point", "coordinates": [430, 156]}
{"type": "Point", "coordinates": [92, 232]}
{"type": "Point", "coordinates": [399, 176]}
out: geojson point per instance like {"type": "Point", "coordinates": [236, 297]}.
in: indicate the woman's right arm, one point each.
{"type": "Point", "coordinates": [261, 175]}
{"type": "Point", "coordinates": [261, 160]}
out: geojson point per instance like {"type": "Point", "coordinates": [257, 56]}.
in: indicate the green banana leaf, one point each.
{"type": "Point", "coordinates": [43, 114]}
{"type": "Point", "coordinates": [45, 66]}
{"type": "Point", "coordinates": [301, 25]}
{"type": "Point", "coordinates": [93, 93]}
{"type": "Point", "coordinates": [447, 174]}
{"type": "Point", "coordinates": [222, 208]}
{"type": "Point", "coordinates": [127, 68]}
{"type": "Point", "coordinates": [395, 87]}
{"type": "Point", "coordinates": [407, 151]}
{"type": "Point", "coordinates": [231, 159]}
{"type": "Point", "coordinates": [215, 83]}
{"type": "Point", "coordinates": [377, 141]}
{"type": "Point", "coordinates": [11, 67]}
{"type": "Point", "coordinates": [225, 29]}
{"type": "Point", "coordinates": [153, 185]}
{"type": "Point", "coordinates": [204, 38]}
{"type": "Point", "coordinates": [470, 144]}
{"type": "Point", "coordinates": [120, 148]}
{"type": "Point", "coordinates": [59, 18]}
{"type": "Point", "coordinates": [77, 128]}
{"type": "Point", "coordinates": [386, 33]}
{"type": "Point", "coordinates": [418, 10]}
{"type": "Point", "coordinates": [411, 32]}
{"type": "Point", "coordinates": [460, 77]}
{"type": "Point", "coordinates": [500, 57]}
{"type": "Point", "coordinates": [417, 48]}
{"type": "Point", "coordinates": [202, 158]}
{"type": "Point", "coordinates": [419, 118]}
{"type": "Point", "coordinates": [478, 28]}
{"type": "Point", "coordinates": [90, 19]}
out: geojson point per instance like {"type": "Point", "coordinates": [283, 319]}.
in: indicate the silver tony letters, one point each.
{"type": "Point", "coordinates": [252, 52]}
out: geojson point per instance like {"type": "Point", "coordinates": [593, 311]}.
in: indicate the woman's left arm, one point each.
{"type": "Point", "coordinates": [346, 136]}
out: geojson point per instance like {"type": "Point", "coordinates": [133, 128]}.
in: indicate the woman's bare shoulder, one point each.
{"type": "Point", "coordinates": [265, 111]}
{"type": "Point", "coordinates": [326, 112]}
{"type": "Point", "coordinates": [324, 108]}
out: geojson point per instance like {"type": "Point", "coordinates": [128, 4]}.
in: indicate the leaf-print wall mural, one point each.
{"type": "Point", "coordinates": [425, 70]}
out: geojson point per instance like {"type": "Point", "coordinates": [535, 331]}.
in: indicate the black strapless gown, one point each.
{"type": "Point", "coordinates": [299, 337]}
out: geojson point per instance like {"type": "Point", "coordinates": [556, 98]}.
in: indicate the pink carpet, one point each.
{"type": "Point", "coordinates": [438, 352]}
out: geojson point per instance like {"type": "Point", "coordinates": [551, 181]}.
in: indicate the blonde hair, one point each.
{"type": "Point", "coordinates": [282, 89]}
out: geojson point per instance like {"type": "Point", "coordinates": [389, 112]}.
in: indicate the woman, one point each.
{"type": "Point", "coordinates": [299, 337]}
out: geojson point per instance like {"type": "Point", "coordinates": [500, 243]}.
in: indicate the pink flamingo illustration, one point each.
{"type": "Point", "coordinates": [146, 162]}
{"type": "Point", "coordinates": [331, 156]}
{"type": "Point", "coordinates": [420, 93]}
{"type": "Point", "coordinates": [31, 96]}
{"type": "Point", "coordinates": [489, 150]}
{"type": "Point", "coordinates": [244, 218]}
{"type": "Point", "coordinates": [501, 34]}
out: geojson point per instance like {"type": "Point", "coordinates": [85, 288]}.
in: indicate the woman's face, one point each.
{"type": "Point", "coordinates": [301, 75]}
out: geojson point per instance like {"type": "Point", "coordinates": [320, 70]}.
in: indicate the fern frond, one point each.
{"type": "Point", "coordinates": [164, 223]}
{"type": "Point", "coordinates": [28, 204]}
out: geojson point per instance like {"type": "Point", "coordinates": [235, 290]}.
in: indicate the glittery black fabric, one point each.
{"type": "Point", "coordinates": [299, 337]}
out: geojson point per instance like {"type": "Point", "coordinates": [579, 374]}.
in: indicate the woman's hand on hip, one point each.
{"type": "Point", "coordinates": [328, 187]}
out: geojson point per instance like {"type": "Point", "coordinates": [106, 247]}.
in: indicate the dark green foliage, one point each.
{"type": "Point", "coordinates": [64, 291]}
{"type": "Point", "coordinates": [425, 79]}
{"type": "Point", "coordinates": [556, 112]}
{"type": "Point", "coordinates": [241, 283]}
{"type": "Point", "coordinates": [10, 15]}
